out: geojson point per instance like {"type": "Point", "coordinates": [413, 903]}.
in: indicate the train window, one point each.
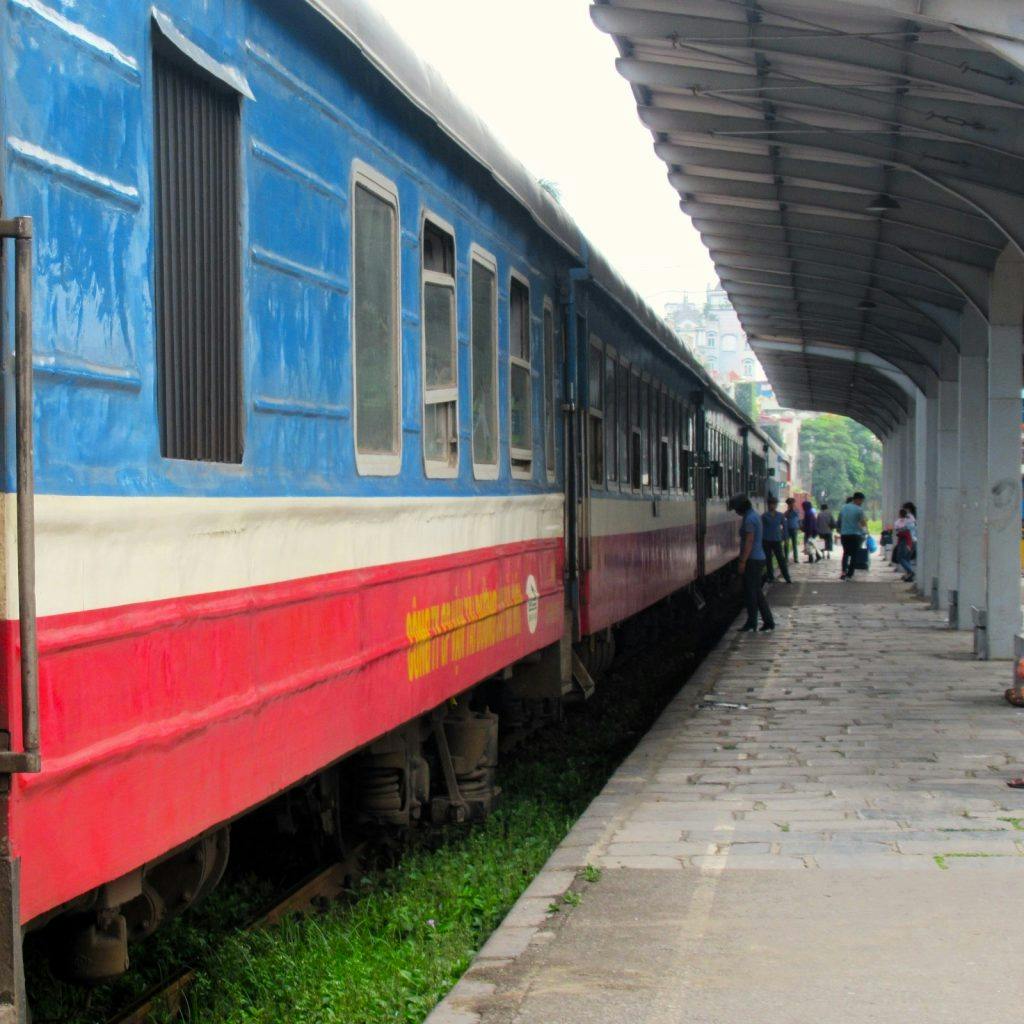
{"type": "Point", "coordinates": [678, 436]}
{"type": "Point", "coordinates": [757, 474]}
{"type": "Point", "coordinates": [440, 353]}
{"type": "Point", "coordinates": [645, 428]}
{"type": "Point", "coordinates": [636, 449]}
{"type": "Point", "coordinates": [198, 283]}
{"type": "Point", "coordinates": [520, 378]}
{"type": "Point", "coordinates": [673, 434]}
{"type": "Point", "coordinates": [622, 420]}
{"type": "Point", "coordinates": [375, 323]}
{"type": "Point", "coordinates": [611, 431]}
{"type": "Point", "coordinates": [550, 401]}
{"type": "Point", "coordinates": [651, 422]}
{"type": "Point", "coordinates": [595, 418]}
{"type": "Point", "coordinates": [483, 352]}
{"type": "Point", "coordinates": [664, 470]}
{"type": "Point", "coordinates": [715, 489]}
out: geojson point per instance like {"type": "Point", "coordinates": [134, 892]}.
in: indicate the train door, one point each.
{"type": "Point", "coordinates": [574, 332]}
{"type": "Point", "coordinates": [591, 438]}
{"type": "Point", "coordinates": [16, 327]}
{"type": "Point", "coordinates": [700, 480]}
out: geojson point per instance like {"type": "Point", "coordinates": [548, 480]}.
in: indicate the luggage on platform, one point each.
{"type": "Point", "coordinates": [861, 559]}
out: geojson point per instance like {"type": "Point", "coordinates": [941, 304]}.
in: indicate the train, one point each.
{"type": "Point", "coordinates": [320, 416]}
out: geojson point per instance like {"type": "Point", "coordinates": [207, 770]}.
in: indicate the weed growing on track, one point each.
{"type": "Point", "coordinates": [389, 954]}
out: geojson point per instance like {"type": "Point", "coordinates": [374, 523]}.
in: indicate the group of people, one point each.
{"type": "Point", "coordinates": [768, 538]}
{"type": "Point", "coordinates": [782, 530]}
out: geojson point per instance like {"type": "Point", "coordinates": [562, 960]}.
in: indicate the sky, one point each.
{"type": "Point", "coordinates": [543, 78]}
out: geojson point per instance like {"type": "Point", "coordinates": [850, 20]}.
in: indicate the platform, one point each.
{"type": "Point", "coordinates": [816, 830]}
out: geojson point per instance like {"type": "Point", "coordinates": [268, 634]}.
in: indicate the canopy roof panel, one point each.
{"type": "Point", "coordinates": [855, 169]}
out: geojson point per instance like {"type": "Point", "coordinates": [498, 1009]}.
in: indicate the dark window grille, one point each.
{"type": "Point", "coordinates": [198, 265]}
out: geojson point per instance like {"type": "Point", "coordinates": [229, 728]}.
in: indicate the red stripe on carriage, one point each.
{"type": "Point", "coordinates": [161, 720]}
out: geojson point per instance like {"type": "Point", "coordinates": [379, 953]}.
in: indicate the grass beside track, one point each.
{"type": "Point", "coordinates": [390, 953]}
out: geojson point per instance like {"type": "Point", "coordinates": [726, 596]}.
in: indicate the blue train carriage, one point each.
{"type": "Point", "coordinates": [661, 449]}
{"type": "Point", "coordinates": [304, 336]}
{"type": "Point", "coordinates": [297, 420]}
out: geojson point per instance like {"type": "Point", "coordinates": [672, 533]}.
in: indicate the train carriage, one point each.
{"type": "Point", "coordinates": [336, 416]}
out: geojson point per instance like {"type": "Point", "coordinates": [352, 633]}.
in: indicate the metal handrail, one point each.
{"type": "Point", "coordinates": [28, 759]}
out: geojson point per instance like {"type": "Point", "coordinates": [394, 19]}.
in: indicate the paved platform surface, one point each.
{"type": "Point", "coordinates": [840, 848]}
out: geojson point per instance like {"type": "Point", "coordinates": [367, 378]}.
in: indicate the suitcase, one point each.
{"type": "Point", "coordinates": [860, 559]}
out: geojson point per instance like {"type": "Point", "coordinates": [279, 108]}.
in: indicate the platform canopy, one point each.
{"type": "Point", "coordinates": [855, 169]}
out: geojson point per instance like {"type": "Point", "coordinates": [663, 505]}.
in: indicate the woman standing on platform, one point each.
{"type": "Point", "coordinates": [905, 530]}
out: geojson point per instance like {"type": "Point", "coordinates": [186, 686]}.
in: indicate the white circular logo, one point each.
{"type": "Point", "coordinates": [532, 603]}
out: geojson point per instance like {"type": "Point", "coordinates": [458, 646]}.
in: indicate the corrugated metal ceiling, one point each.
{"type": "Point", "coordinates": [854, 168]}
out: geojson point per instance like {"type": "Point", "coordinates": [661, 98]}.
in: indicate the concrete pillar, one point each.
{"type": "Point", "coordinates": [920, 496]}
{"type": "Point", "coordinates": [895, 450]}
{"type": "Point", "coordinates": [888, 458]}
{"type": "Point", "coordinates": [1004, 481]}
{"type": "Point", "coordinates": [897, 462]}
{"type": "Point", "coordinates": [973, 471]}
{"type": "Point", "coordinates": [928, 531]}
{"type": "Point", "coordinates": [904, 491]}
{"type": "Point", "coordinates": [949, 472]}
{"type": "Point", "coordinates": [909, 462]}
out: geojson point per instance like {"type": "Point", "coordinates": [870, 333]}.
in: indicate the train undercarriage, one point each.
{"type": "Point", "coordinates": [436, 770]}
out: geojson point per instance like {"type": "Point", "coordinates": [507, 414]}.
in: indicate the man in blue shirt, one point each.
{"type": "Point", "coordinates": [751, 565]}
{"type": "Point", "coordinates": [853, 525]}
{"type": "Point", "coordinates": [792, 527]}
{"type": "Point", "coordinates": [774, 525]}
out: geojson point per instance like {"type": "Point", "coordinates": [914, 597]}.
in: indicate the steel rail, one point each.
{"type": "Point", "coordinates": [167, 996]}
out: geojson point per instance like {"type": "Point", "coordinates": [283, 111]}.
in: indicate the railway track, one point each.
{"type": "Point", "coordinates": [313, 893]}
{"type": "Point", "coordinates": [325, 886]}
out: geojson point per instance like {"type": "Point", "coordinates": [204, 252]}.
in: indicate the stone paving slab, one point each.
{"type": "Point", "coordinates": [841, 849]}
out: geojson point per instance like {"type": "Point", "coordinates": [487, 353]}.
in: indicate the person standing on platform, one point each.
{"type": "Point", "coordinates": [773, 523]}
{"type": "Point", "coordinates": [826, 527]}
{"type": "Point", "coordinates": [853, 525]}
{"type": "Point", "coordinates": [905, 530]}
{"type": "Point", "coordinates": [809, 526]}
{"type": "Point", "coordinates": [751, 565]}
{"type": "Point", "coordinates": [792, 527]}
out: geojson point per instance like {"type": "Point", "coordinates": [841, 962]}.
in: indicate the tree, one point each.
{"type": "Point", "coordinates": [552, 188]}
{"type": "Point", "coordinates": [845, 457]}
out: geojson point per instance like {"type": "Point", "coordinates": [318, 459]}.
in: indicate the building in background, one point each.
{"type": "Point", "coordinates": [711, 330]}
